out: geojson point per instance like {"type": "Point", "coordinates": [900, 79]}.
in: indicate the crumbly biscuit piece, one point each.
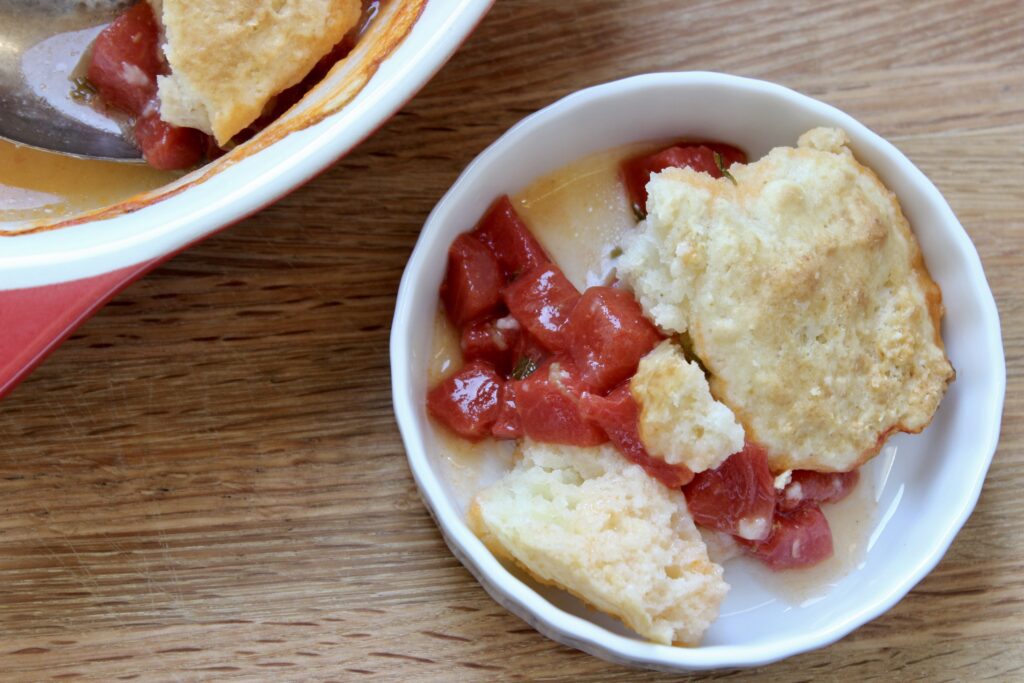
{"type": "Point", "coordinates": [806, 297]}
{"type": "Point", "coordinates": [592, 523]}
{"type": "Point", "coordinates": [680, 421]}
{"type": "Point", "coordinates": [228, 58]}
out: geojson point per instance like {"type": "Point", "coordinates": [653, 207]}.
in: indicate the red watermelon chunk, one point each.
{"type": "Point", "coordinates": [636, 172]}
{"type": "Point", "coordinates": [548, 405]}
{"type": "Point", "coordinates": [467, 402]}
{"type": "Point", "coordinates": [798, 538]}
{"type": "Point", "coordinates": [495, 340]}
{"type": "Point", "coordinates": [125, 60]}
{"type": "Point", "coordinates": [617, 415]}
{"type": "Point", "coordinates": [168, 147]}
{"type": "Point", "coordinates": [472, 284]}
{"type": "Point", "coordinates": [507, 425]}
{"type": "Point", "coordinates": [541, 300]}
{"type": "Point", "coordinates": [608, 336]}
{"type": "Point", "coordinates": [806, 486]}
{"type": "Point", "coordinates": [738, 497]}
{"type": "Point", "coordinates": [508, 238]}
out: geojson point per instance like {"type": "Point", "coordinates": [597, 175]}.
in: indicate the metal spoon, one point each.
{"type": "Point", "coordinates": [41, 44]}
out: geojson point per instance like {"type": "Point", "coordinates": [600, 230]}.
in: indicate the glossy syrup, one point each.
{"type": "Point", "coordinates": [37, 185]}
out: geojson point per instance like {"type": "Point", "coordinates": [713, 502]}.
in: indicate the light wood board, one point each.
{"type": "Point", "coordinates": [206, 481]}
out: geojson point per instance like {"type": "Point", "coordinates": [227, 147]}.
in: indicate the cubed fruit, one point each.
{"type": "Point", "coordinates": [806, 487]}
{"type": "Point", "coordinates": [798, 538]}
{"type": "Point", "coordinates": [168, 147]}
{"type": "Point", "coordinates": [495, 340]}
{"type": "Point", "coordinates": [738, 497]}
{"type": "Point", "coordinates": [636, 172]}
{"type": "Point", "coordinates": [468, 401]}
{"type": "Point", "coordinates": [608, 336]}
{"type": "Point", "coordinates": [125, 60]}
{"type": "Point", "coordinates": [473, 282]}
{"type": "Point", "coordinates": [508, 238]}
{"type": "Point", "coordinates": [541, 300]}
{"type": "Point", "coordinates": [507, 425]}
{"type": "Point", "coordinates": [617, 415]}
{"type": "Point", "coordinates": [548, 406]}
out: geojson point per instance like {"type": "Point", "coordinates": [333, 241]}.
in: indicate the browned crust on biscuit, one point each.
{"type": "Point", "coordinates": [933, 302]}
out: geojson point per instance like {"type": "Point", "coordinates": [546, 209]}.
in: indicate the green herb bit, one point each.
{"type": "Point", "coordinates": [616, 252]}
{"type": "Point", "coordinates": [82, 89]}
{"type": "Point", "coordinates": [638, 212]}
{"type": "Point", "coordinates": [722, 169]}
{"type": "Point", "coordinates": [525, 367]}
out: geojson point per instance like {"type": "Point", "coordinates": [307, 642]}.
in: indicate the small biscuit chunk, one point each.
{"type": "Point", "coordinates": [590, 522]}
{"type": "Point", "coordinates": [228, 58]}
{"type": "Point", "coordinates": [806, 297]}
{"type": "Point", "coordinates": [680, 421]}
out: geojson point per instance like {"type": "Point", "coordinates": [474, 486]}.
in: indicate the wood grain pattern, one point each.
{"type": "Point", "coordinates": [206, 482]}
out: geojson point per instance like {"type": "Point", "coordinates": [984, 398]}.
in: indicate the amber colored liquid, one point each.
{"type": "Point", "coordinates": [42, 186]}
{"type": "Point", "coordinates": [579, 214]}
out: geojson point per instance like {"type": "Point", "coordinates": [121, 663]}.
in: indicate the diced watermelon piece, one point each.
{"type": "Point", "coordinates": [495, 340]}
{"type": "Point", "coordinates": [508, 238]}
{"type": "Point", "coordinates": [548, 406]}
{"type": "Point", "coordinates": [507, 425]}
{"type": "Point", "coordinates": [467, 402]}
{"type": "Point", "coordinates": [738, 497]}
{"type": "Point", "coordinates": [806, 486]}
{"type": "Point", "coordinates": [473, 282]}
{"type": "Point", "coordinates": [541, 300]}
{"type": "Point", "coordinates": [636, 172]}
{"type": "Point", "coordinates": [798, 538]}
{"type": "Point", "coordinates": [617, 414]}
{"type": "Point", "coordinates": [167, 147]}
{"type": "Point", "coordinates": [125, 60]}
{"type": "Point", "coordinates": [608, 336]}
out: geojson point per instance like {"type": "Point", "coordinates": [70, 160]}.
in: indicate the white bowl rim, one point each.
{"type": "Point", "coordinates": [579, 632]}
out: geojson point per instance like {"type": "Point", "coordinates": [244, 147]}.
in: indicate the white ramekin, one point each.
{"type": "Point", "coordinates": [926, 485]}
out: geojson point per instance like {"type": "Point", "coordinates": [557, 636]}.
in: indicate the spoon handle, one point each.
{"type": "Point", "coordinates": [36, 320]}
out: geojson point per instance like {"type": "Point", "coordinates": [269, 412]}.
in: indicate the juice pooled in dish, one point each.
{"type": "Point", "coordinates": [38, 185]}
{"type": "Point", "coordinates": [722, 344]}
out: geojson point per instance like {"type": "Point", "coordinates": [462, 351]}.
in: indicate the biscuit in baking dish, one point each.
{"type": "Point", "coordinates": [806, 297]}
{"type": "Point", "coordinates": [589, 521]}
{"type": "Point", "coordinates": [228, 58]}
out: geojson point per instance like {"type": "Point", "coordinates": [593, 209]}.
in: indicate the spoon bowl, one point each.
{"type": "Point", "coordinates": [41, 45]}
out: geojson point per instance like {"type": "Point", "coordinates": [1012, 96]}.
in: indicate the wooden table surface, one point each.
{"type": "Point", "coordinates": [206, 481]}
